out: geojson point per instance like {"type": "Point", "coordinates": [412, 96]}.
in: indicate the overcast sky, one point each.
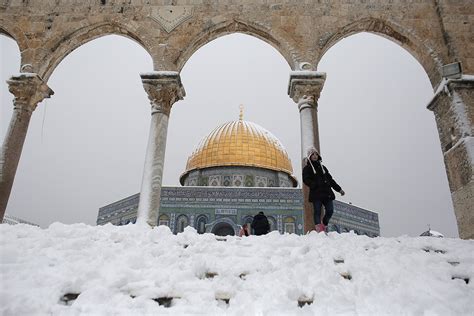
{"type": "Point", "coordinates": [86, 145]}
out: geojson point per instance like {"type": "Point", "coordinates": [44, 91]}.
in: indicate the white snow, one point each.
{"type": "Point", "coordinates": [160, 73]}
{"type": "Point", "coordinates": [25, 74]}
{"type": "Point", "coordinates": [434, 233]}
{"type": "Point", "coordinates": [468, 77]}
{"type": "Point", "coordinates": [120, 270]}
{"type": "Point", "coordinates": [468, 142]}
{"type": "Point", "coordinates": [307, 73]}
{"type": "Point", "coordinates": [461, 115]}
{"type": "Point", "coordinates": [444, 82]}
{"type": "Point", "coordinates": [440, 87]}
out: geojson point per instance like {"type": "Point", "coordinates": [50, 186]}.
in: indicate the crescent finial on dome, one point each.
{"type": "Point", "coordinates": [241, 115]}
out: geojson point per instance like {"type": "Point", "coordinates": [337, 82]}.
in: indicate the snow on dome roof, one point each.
{"type": "Point", "coordinates": [432, 233]}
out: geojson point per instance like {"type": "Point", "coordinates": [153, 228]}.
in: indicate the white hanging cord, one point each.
{"type": "Point", "coordinates": [44, 117]}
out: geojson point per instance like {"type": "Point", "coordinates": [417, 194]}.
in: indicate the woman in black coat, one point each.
{"type": "Point", "coordinates": [320, 183]}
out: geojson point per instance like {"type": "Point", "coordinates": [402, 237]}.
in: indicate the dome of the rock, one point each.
{"type": "Point", "coordinates": [233, 147]}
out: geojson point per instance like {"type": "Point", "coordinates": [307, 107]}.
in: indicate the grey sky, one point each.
{"type": "Point", "coordinates": [86, 145]}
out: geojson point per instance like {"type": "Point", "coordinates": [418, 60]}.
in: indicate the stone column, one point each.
{"type": "Point", "coordinates": [164, 88]}
{"type": "Point", "coordinates": [453, 107]}
{"type": "Point", "coordinates": [29, 89]}
{"type": "Point", "coordinates": [304, 88]}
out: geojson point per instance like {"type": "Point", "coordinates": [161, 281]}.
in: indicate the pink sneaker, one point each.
{"type": "Point", "coordinates": [324, 228]}
{"type": "Point", "coordinates": [320, 228]}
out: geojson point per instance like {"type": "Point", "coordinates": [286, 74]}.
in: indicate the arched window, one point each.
{"type": "Point", "coordinates": [272, 222]}
{"type": "Point", "coordinates": [201, 224]}
{"type": "Point", "coordinates": [164, 220]}
{"type": "Point", "coordinates": [247, 220]}
{"type": "Point", "coordinates": [289, 225]}
{"type": "Point", "coordinates": [182, 222]}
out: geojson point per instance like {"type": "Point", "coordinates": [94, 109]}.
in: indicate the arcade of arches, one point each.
{"type": "Point", "coordinates": [436, 33]}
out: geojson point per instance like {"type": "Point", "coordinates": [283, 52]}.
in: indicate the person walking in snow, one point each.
{"type": "Point", "coordinates": [260, 224]}
{"type": "Point", "coordinates": [320, 182]}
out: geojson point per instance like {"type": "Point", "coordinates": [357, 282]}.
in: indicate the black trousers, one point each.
{"type": "Point", "coordinates": [329, 210]}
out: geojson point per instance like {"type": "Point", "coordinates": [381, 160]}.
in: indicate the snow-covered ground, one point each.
{"type": "Point", "coordinates": [131, 270]}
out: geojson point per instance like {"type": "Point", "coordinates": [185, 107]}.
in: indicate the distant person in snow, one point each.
{"type": "Point", "coordinates": [319, 180]}
{"type": "Point", "coordinates": [244, 230]}
{"type": "Point", "coordinates": [260, 224]}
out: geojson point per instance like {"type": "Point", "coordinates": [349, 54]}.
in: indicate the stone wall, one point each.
{"type": "Point", "coordinates": [453, 107]}
{"type": "Point", "coordinates": [237, 205]}
{"type": "Point", "coordinates": [238, 177]}
{"type": "Point", "coordinates": [435, 32]}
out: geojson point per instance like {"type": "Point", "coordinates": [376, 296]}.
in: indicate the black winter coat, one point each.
{"type": "Point", "coordinates": [319, 184]}
{"type": "Point", "coordinates": [260, 224]}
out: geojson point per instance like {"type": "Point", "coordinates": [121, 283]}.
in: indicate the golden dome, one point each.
{"type": "Point", "coordinates": [240, 143]}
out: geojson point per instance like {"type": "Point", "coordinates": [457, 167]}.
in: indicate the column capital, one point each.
{"type": "Point", "coordinates": [29, 89]}
{"type": "Point", "coordinates": [446, 86]}
{"type": "Point", "coordinates": [164, 88]}
{"type": "Point", "coordinates": [305, 87]}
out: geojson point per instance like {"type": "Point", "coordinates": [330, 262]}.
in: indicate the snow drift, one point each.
{"type": "Point", "coordinates": [134, 270]}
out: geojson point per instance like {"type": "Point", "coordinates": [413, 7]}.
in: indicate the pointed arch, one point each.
{"type": "Point", "coordinates": [16, 35]}
{"type": "Point", "coordinates": [283, 45]}
{"type": "Point", "coordinates": [3, 31]}
{"type": "Point", "coordinates": [8, 37]}
{"type": "Point", "coordinates": [428, 58]}
{"type": "Point", "coordinates": [182, 221]}
{"type": "Point", "coordinates": [10, 61]}
{"type": "Point", "coordinates": [65, 45]}
{"type": "Point", "coordinates": [201, 222]}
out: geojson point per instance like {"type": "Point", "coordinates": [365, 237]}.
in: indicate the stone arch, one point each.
{"type": "Point", "coordinates": [9, 37]}
{"type": "Point", "coordinates": [164, 219]}
{"type": "Point", "coordinates": [247, 219]}
{"type": "Point", "coordinates": [68, 43]}
{"type": "Point", "coordinates": [273, 223]}
{"type": "Point", "coordinates": [283, 45]}
{"type": "Point", "coordinates": [182, 221]}
{"type": "Point", "coordinates": [3, 31]}
{"type": "Point", "coordinates": [223, 229]}
{"type": "Point", "coordinates": [426, 56]}
{"type": "Point", "coordinates": [16, 35]}
{"type": "Point", "coordinates": [289, 224]}
{"type": "Point", "coordinates": [201, 219]}
{"type": "Point", "coordinates": [224, 222]}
